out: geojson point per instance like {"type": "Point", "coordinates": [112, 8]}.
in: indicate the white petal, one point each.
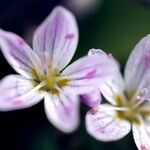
{"type": "Point", "coordinates": [63, 111]}
{"type": "Point", "coordinates": [90, 72]}
{"type": "Point", "coordinates": [100, 52]}
{"type": "Point", "coordinates": [56, 39]}
{"type": "Point", "coordinates": [141, 137]}
{"type": "Point", "coordinates": [137, 70]}
{"type": "Point", "coordinates": [113, 88]}
{"type": "Point", "coordinates": [19, 55]}
{"type": "Point", "coordinates": [102, 124]}
{"type": "Point", "coordinates": [16, 93]}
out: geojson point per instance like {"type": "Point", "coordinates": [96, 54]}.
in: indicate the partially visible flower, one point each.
{"type": "Point", "coordinates": [43, 71]}
{"type": "Point", "coordinates": [128, 107]}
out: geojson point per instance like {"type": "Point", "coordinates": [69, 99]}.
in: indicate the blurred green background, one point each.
{"type": "Point", "coordinates": [115, 27]}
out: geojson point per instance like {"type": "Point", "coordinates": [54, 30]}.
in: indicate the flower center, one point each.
{"type": "Point", "coordinates": [53, 80]}
{"type": "Point", "coordinates": [134, 109]}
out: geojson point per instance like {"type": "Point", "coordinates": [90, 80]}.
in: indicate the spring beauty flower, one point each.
{"type": "Point", "coordinates": [43, 71]}
{"type": "Point", "coordinates": [127, 107]}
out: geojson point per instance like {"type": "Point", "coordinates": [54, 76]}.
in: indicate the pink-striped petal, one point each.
{"type": "Point", "coordinates": [141, 137]}
{"type": "Point", "coordinates": [19, 55]}
{"type": "Point", "coordinates": [63, 111]}
{"type": "Point", "coordinates": [137, 69]}
{"type": "Point", "coordinates": [114, 88]}
{"type": "Point", "coordinates": [102, 124]}
{"type": "Point", "coordinates": [56, 39]}
{"type": "Point", "coordinates": [17, 92]}
{"type": "Point", "coordinates": [115, 85]}
{"type": "Point", "coordinates": [92, 99]}
{"type": "Point", "coordinates": [90, 72]}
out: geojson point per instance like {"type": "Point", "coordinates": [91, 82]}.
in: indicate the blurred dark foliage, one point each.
{"type": "Point", "coordinates": [143, 2]}
{"type": "Point", "coordinates": [15, 15]}
{"type": "Point", "coordinates": [19, 128]}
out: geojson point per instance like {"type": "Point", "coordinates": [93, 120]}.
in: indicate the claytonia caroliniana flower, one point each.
{"type": "Point", "coordinates": [127, 107]}
{"type": "Point", "coordinates": [43, 71]}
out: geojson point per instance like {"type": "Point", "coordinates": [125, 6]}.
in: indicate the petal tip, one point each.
{"type": "Point", "coordinates": [61, 10]}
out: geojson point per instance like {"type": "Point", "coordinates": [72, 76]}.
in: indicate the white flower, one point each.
{"type": "Point", "coordinates": [127, 107]}
{"type": "Point", "coordinates": [43, 71]}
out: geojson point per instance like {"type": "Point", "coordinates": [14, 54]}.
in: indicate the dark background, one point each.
{"type": "Point", "coordinates": [114, 26]}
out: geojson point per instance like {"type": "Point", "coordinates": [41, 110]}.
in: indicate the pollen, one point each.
{"type": "Point", "coordinates": [132, 112]}
{"type": "Point", "coordinates": [119, 100]}
{"type": "Point", "coordinates": [53, 81]}
{"type": "Point", "coordinates": [129, 116]}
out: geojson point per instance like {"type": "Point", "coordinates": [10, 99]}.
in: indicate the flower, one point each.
{"type": "Point", "coordinates": [43, 71]}
{"type": "Point", "coordinates": [127, 107]}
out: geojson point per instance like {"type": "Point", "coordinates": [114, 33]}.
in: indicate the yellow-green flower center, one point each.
{"type": "Point", "coordinates": [133, 111]}
{"type": "Point", "coordinates": [52, 79]}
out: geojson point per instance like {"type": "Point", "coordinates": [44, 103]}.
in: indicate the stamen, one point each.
{"type": "Point", "coordinates": [66, 103]}
{"type": "Point", "coordinates": [61, 78]}
{"type": "Point", "coordinates": [120, 108]}
{"type": "Point", "coordinates": [126, 109]}
{"type": "Point", "coordinates": [57, 88]}
{"type": "Point", "coordinates": [51, 78]}
{"type": "Point", "coordinates": [33, 90]}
